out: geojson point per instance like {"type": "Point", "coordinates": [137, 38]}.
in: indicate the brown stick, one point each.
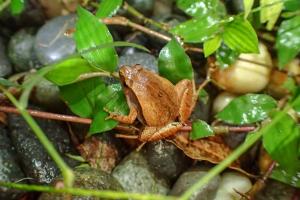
{"type": "Point", "coordinates": [70, 118]}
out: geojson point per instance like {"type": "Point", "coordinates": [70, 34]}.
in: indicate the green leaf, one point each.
{"type": "Point", "coordinates": [197, 29]}
{"type": "Point", "coordinates": [291, 178]}
{"type": "Point", "coordinates": [290, 85]}
{"type": "Point", "coordinates": [115, 44]}
{"type": "Point", "coordinates": [17, 6]}
{"type": "Point", "coordinates": [270, 12]}
{"type": "Point", "coordinates": [89, 33]}
{"type": "Point", "coordinates": [81, 97]}
{"type": "Point", "coordinates": [108, 8]}
{"type": "Point", "coordinates": [296, 105]}
{"type": "Point", "coordinates": [292, 5]}
{"type": "Point", "coordinates": [225, 56]}
{"type": "Point", "coordinates": [247, 109]}
{"type": "Point", "coordinates": [247, 7]}
{"type": "Point", "coordinates": [173, 63]}
{"type": "Point", "coordinates": [197, 8]}
{"type": "Point", "coordinates": [210, 46]}
{"type": "Point", "coordinates": [240, 36]}
{"type": "Point", "coordinates": [200, 129]}
{"type": "Point", "coordinates": [282, 143]}
{"type": "Point", "coordinates": [203, 96]}
{"type": "Point", "coordinates": [288, 40]}
{"type": "Point", "coordinates": [67, 71]}
{"type": "Point", "coordinates": [113, 99]}
{"type": "Point", "coordinates": [8, 83]}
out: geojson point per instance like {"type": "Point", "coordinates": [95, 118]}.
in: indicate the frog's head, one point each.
{"type": "Point", "coordinates": [128, 74]}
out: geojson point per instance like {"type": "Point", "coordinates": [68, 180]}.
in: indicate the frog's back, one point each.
{"type": "Point", "coordinates": [157, 98]}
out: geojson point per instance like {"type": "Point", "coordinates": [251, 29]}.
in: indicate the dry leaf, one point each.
{"type": "Point", "coordinates": [211, 149]}
{"type": "Point", "coordinates": [99, 153]}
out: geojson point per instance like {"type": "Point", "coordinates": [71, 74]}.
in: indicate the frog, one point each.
{"type": "Point", "coordinates": [163, 108]}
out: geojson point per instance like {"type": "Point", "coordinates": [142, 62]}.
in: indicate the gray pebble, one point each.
{"type": "Point", "coordinates": [20, 50]}
{"type": "Point", "coordinates": [135, 175]}
{"type": "Point", "coordinates": [146, 60]}
{"type": "Point", "coordinates": [87, 178]}
{"type": "Point", "coordinates": [51, 44]}
{"type": "Point", "coordinates": [5, 66]}
{"type": "Point", "coordinates": [188, 178]}
{"type": "Point", "coordinates": [275, 190]}
{"type": "Point", "coordinates": [166, 159]}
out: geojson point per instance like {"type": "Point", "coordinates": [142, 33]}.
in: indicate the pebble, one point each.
{"type": "Point", "coordinates": [87, 178]}
{"type": "Point", "coordinates": [20, 50]}
{"type": "Point", "coordinates": [135, 175]}
{"type": "Point", "coordinates": [51, 44]}
{"type": "Point", "coordinates": [146, 60]}
{"type": "Point", "coordinates": [190, 177]}
{"type": "Point", "coordinates": [166, 159]}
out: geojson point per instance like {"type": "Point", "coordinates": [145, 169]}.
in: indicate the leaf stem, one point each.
{"type": "Point", "coordinates": [235, 155]}
{"type": "Point", "coordinates": [105, 194]}
{"type": "Point", "coordinates": [140, 16]}
{"type": "Point", "coordinates": [4, 5]}
{"type": "Point", "coordinates": [65, 170]}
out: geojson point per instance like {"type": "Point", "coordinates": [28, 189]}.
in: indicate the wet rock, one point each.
{"type": "Point", "coordinates": [47, 95]}
{"type": "Point", "coordinates": [135, 175]}
{"type": "Point", "coordinates": [146, 60]}
{"type": "Point", "coordinates": [51, 44]}
{"type": "Point", "coordinates": [87, 178]}
{"type": "Point", "coordinates": [275, 190]}
{"type": "Point", "coordinates": [144, 6]}
{"type": "Point", "coordinates": [102, 152]}
{"type": "Point", "coordinates": [35, 161]}
{"type": "Point", "coordinates": [10, 170]}
{"type": "Point", "coordinates": [166, 159]}
{"type": "Point", "coordinates": [20, 50]}
{"type": "Point", "coordinates": [5, 66]}
{"type": "Point", "coordinates": [188, 178]}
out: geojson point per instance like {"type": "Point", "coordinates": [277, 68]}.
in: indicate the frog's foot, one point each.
{"type": "Point", "coordinates": [150, 134]}
{"type": "Point", "coordinates": [126, 119]}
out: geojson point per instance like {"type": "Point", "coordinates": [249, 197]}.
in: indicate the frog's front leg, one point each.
{"type": "Point", "coordinates": [187, 94]}
{"type": "Point", "coordinates": [150, 134]}
{"type": "Point", "coordinates": [126, 119]}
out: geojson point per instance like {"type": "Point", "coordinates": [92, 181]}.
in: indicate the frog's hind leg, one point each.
{"type": "Point", "coordinates": [150, 134]}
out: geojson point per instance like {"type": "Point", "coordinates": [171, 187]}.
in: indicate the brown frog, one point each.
{"type": "Point", "coordinates": [161, 106]}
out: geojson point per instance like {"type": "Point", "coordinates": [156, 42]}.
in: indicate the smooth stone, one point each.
{"type": "Point", "coordinates": [5, 66]}
{"type": "Point", "coordinates": [10, 170]}
{"type": "Point", "coordinates": [233, 184]}
{"type": "Point", "coordinates": [190, 177]}
{"type": "Point", "coordinates": [51, 44]}
{"type": "Point", "coordinates": [86, 178]}
{"type": "Point", "coordinates": [276, 190]}
{"type": "Point", "coordinates": [35, 161]}
{"type": "Point", "coordinates": [135, 175]}
{"type": "Point", "coordinates": [146, 60]}
{"type": "Point", "coordinates": [166, 159]}
{"type": "Point", "coordinates": [47, 95]}
{"type": "Point", "coordinates": [20, 50]}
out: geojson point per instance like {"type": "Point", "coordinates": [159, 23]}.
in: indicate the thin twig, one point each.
{"type": "Point", "coordinates": [128, 128]}
{"type": "Point", "coordinates": [123, 21]}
